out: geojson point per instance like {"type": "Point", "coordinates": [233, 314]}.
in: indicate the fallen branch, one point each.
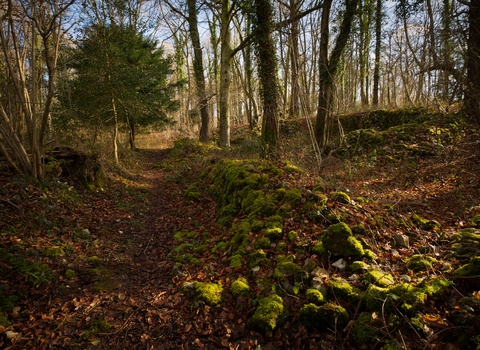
{"type": "Point", "coordinates": [10, 203]}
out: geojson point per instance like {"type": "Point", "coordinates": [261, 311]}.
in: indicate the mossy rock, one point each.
{"type": "Point", "coordinates": [338, 240]}
{"type": "Point", "coordinates": [292, 235]}
{"type": "Point", "coordinates": [420, 262]}
{"type": "Point", "coordinates": [315, 297]}
{"type": "Point", "coordinates": [333, 218]}
{"type": "Point", "coordinates": [192, 192]}
{"type": "Point", "coordinates": [408, 297]}
{"type": "Point", "coordinates": [379, 277]}
{"type": "Point", "coordinates": [339, 288]}
{"type": "Point", "coordinates": [257, 258]}
{"type": "Point", "coordinates": [319, 198]}
{"type": "Point", "coordinates": [470, 269]}
{"type": "Point", "coordinates": [235, 260]}
{"type": "Point", "coordinates": [476, 221]}
{"type": "Point", "coordinates": [240, 288]}
{"type": "Point", "coordinates": [274, 233]}
{"type": "Point", "coordinates": [281, 247]}
{"type": "Point", "coordinates": [427, 225]}
{"type": "Point", "coordinates": [285, 210]}
{"type": "Point", "coordinates": [201, 249]}
{"type": "Point", "coordinates": [263, 207]}
{"type": "Point", "coordinates": [293, 197]}
{"type": "Point", "coordinates": [262, 243]}
{"type": "Point", "coordinates": [319, 249]}
{"type": "Point", "coordinates": [359, 230]}
{"type": "Point", "coordinates": [70, 274]}
{"type": "Point", "coordinates": [369, 255]}
{"type": "Point", "coordinates": [324, 317]}
{"type": "Point", "coordinates": [270, 314]}
{"type": "Point", "coordinates": [220, 246]}
{"type": "Point", "coordinates": [210, 293]}
{"type": "Point", "coordinates": [466, 243]}
{"type": "Point", "coordinates": [54, 252]}
{"type": "Point", "coordinates": [375, 297]}
{"type": "Point", "coordinates": [366, 329]}
{"type": "Point", "coordinates": [358, 267]}
{"type": "Point", "coordinates": [340, 197]}
{"type": "Point", "coordinates": [274, 221]}
{"type": "Point", "coordinates": [291, 269]}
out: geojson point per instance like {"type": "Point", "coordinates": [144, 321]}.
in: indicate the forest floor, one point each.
{"type": "Point", "coordinates": [95, 270]}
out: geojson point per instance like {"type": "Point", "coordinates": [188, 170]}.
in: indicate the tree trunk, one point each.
{"type": "Point", "coordinates": [267, 71]}
{"type": "Point", "coordinates": [225, 74]}
{"type": "Point", "coordinates": [294, 110]}
{"type": "Point", "coordinates": [472, 90]}
{"type": "Point", "coordinates": [329, 67]}
{"type": "Point", "coordinates": [378, 43]}
{"type": "Point", "coordinates": [198, 71]}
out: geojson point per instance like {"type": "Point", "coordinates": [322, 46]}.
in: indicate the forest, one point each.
{"type": "Point", "coordinates": [246, 174]}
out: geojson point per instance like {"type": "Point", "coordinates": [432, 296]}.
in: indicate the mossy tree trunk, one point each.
{"type": "Point", "coordinates": [267, 71]}
{"type": "Point", "coordinates": [329, 67]}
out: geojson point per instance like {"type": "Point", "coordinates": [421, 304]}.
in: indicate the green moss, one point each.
{"type": "Point", "coordinates": [99, 325]}
{"type": "Point", "coordinates": [410, 297]}
{"type": "Point", "coordinates": [285, 210]}
{"type": "Point", "coordinates": [70, 274]}
{"type": "Point", "coordinates": [181, 248]}
{"type": "Point", "coordinates": [256, 225]}
{"type": "Point", "coordinates": [338, 240]}
{"type": "Point", "coordinates": [262, 243]}
{"type": "Point", "coordinates": [240, 288]}
{"type": "Point", "coordinates": [7, 302]}
{"type": "Point", "coordinates": [315, 297]}
{"type": "Point", "coordinates": [375, 297]}
{"type": "Point", "coordinates": [194, 262]}
{"type": "Point", "coordinates": [470, 269]}
{"type": "Point", "coordinates": [235, 260]}
{"type": "Point", "coordinates": [4, 322]}
{"type": "Point", "coordinates": [220, 246]}
{"type": "Point", "coordinates": [420, 262]}
{"type": "Point", "coordinates": [257, 258]}
{"type": "Point", "coordinates": [274, 221]}
{"type": "Point", "coordinates": [178, 236]}
{"type": "Point", "coordinates": [358, 230]}
{"type": "Point", "coordinates": [358, 267]}
{"type": "Point", "coordinates": [292, 235]}
{"type": "Point", "coordinates": [340, 288]}
{"type": "Point", "coordinates": [293, 197]}
{"type": "Point", "coordinates": [369, 255]}
{"type": "Point", "coordinates": [360, 200]}
{"type": "Point", "coordinates": [210, 293]}
{"type": "Point", "coordinates": [324, 317]}
{"type": "Point", "coordinates": [332, 218]}
{"type": "Point", "coordinates": [192, 192]}
{"type": "Point", "coordinates": [427, 225]}
{"type": "Point", "coordinates": [340, 197]}
{"type": "Point", "coordinates": [270, 314]}
{"type": "Point", "coordinates": [200, 249]}
{"type": "Point", "coordinates": [274, 233]}
{"type": "Point", "coordinates": [379, 278]}
{"type": "Point", "coordinates": [280, 193]}
{"type": "Point", "coordinates": [319, 249]}
{"type": "Point", "coordinates": [94, 260]}
{"type": "Point", "coordinates": [281, 246]}
{"type": "Point", "coordinates": [366, 329]}
{"type": "Point", "coordinates": [262, 207]}
{"type": "Point", "coordinates": [292, 269]}
{"type": "Point", "coordinates": [54, 252]}
{"type": "Point", "coordinates": [476, 221]}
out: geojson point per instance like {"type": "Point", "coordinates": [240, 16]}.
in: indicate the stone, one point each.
{"type": "Point", "coordinates": [320, 272]}
{"type": "Point", "coordinates": [402, 240]}
{"type": "Point", "coordinates": [309, 265]}
{"type": "Point", "coordinates": [319, 284]}
{"type": "Point", "coordinates": [340, 264]}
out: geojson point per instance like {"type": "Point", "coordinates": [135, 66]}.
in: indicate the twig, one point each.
{"type": "Point", "coordinates": [147, 245]}
{"type": "Point", "coordinates": [13, 205]}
